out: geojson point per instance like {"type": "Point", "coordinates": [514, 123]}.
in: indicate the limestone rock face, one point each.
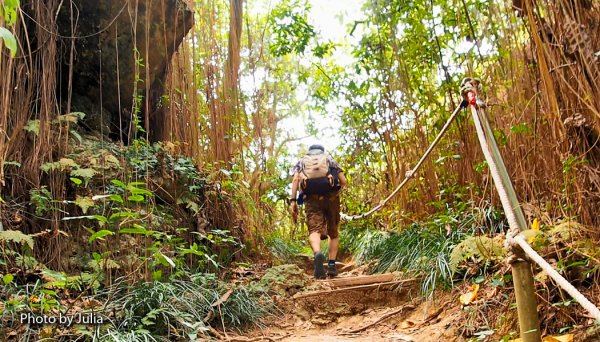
{"type": "Point", "coordinates": [114, 39]}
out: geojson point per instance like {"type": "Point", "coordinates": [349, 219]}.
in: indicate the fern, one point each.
{"type": "Point", "coordinates": [16, 236]}
{"type": "Point", "coordinates": [85, 173]}
{"type": "Point", "coordinates": [478, 249]}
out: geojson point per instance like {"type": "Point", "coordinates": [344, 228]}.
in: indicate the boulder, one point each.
{"type": "Point", "coordinates": [113, 39]}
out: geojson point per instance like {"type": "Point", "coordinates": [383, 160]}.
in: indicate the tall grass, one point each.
{"type": "Point", "coordinates": [421, 249]}
{"type": "Point", "coordinates": [182, 308]}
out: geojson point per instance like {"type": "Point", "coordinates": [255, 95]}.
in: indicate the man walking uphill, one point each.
{"type": "Point", "coordinates": [319, 179]}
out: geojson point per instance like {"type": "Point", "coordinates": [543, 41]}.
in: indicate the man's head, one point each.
{"type": "Point", "coordinates": [316, 148]}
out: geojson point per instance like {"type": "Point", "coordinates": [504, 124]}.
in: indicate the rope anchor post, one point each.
{"type": "Point", "coordinates": [529, 325]}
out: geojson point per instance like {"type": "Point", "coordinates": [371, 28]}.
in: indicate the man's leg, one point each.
{"type": "Point", "coordinates": [316, 222]}
{"type": "Point", "coordinates": [333, 247]}
{"type": "Point", "coordinates": [315, 242]}
{"type": "Point", "coordinates": [333, 223]}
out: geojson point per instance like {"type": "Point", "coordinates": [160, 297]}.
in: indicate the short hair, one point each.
{"type": "Point", "coordinates": [317, 147]}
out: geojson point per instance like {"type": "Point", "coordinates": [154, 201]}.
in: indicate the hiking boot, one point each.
{"type": "Point", "coordinates": [331, 271]}
{"type": "Point", "coordinates": [319, 269]}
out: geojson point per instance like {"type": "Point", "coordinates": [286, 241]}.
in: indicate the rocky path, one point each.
{"type": "Point", "coordinates": [355, 307]}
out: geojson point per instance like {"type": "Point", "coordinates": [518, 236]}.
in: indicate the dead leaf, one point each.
{"type": "Point", "coordinates": [469, 297]}
{"type": "Point", "coordinates": [223, 299]}
{"type": "Point", "coordinates": [535, 226]}
{"type": "Point", "coordinates": [563, 338]}
{"type": "Point", "coordinates": [407, 324]}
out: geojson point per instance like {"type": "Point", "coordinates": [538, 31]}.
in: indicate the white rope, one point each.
{"type": "Point", "coordinates": [410, 173]}
{"type": "Point", "coordinates": [513, 236]}
{"type": "Point", "coordinates": [562, 282]}
{"type": "Point", "coordinates": [509, 210]}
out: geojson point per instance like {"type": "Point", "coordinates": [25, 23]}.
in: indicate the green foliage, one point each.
{"type": "Point", "coordinates": [33, 126]}
{"type": "Point", "coordinates": [424, 248]}
{"type": "Point", "coordinates": [73, 117]}
{"type": "Point", "coordinates": [61, 165]}
{"type": "Point", "coordinates": [478, 249]}
{"type": "Point", "coordinates": [16, 236]}
{"type": "Point", "coordinates": [42, 200]}
{"type": "Point", "coordinates": [85, 173]}
{"type": "Point", "coordinates": [284, 249]}
{"type": "Point", "coordinates": [291, 29]}
{"type": "Point", "coordinates": [9, 41]}
{"type": "Point", "coordinates": [8, 10]}
{"type": "Point", "coordinates": [187, 305]}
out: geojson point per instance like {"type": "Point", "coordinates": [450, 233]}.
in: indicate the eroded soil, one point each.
{"type": "Point", "coordinates": [389, 311]}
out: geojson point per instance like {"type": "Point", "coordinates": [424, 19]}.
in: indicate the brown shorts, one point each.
{"type": "Point", "coordinates": [323, 215]}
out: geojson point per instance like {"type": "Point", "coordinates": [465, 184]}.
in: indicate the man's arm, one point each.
{"type": "Point", "coordinates": [293, 203]}
{"type": "Point", "coordinates": [343, 181]}
{"type": "Point", "coordinates": [295, 182]}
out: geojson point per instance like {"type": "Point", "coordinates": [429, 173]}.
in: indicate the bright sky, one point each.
{"type": "Point", "coordinates": [331, 19]}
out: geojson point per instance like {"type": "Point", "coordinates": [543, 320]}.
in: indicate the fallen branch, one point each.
{"type": "Point", "coordinates": [223, 299]}
{"type": "Point", "coordinates": [362, 280]}
{"type": "Point", "coordinates": [216, 333]}
{"type": "Point", "coordinates": [383, 318]}
{"type": "Point", "coordinates": [259, 338]}
{"type": "Point", "coordinates": [360, 287]}
{"type": "Point", "coordinates": [246, 339]}
{"type": "Point", "coordinates": [436, 313]}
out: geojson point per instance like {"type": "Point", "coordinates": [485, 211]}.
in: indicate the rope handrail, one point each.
{"type": "Point", "coordinates": [411, 172]}
{"type": "Point", "coordinates": [560, 280]}
{"type": "Point", "coordinates": [512, 208]}
{"type": "Point", "coordinates": [510, 204]}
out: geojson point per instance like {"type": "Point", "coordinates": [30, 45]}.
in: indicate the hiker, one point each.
{"type": "Point", "coordinates": [320, 180]}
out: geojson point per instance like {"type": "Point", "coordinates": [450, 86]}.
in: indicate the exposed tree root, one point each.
{"type": "Point", "coordinates": [383, 318]}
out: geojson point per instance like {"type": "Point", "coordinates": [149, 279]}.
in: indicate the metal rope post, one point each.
{"type": "Point", "coordinates": [521, 269]}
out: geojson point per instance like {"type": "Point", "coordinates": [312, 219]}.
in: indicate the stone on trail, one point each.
{"type": "Point", "coordinates": [284, 279]}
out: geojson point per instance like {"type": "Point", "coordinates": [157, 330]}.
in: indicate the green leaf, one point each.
{"type": "Point", "coordinates": [138, 191]}
{"type": "Point", "coordinates": [117, 198]}
{"type": "Point", "coordinates": [64, 163]}
{"type": "Point", "coordinates": [84, 203]}
{"type": "Point", "coordinates": [61, 165]}
{"type": "Point", "coordinates": [85, 173]}
{"type": "Point", "coordinates": [12, 162]}
{"type": "Point", "coordinates": [77, 136]}
{"type": "Point", "coordinates": [9, 9]}
{"type": "Point", "coordinates": [100, 234]}
{"type": "Point", "coordinates": [119, 183]}
{"type": "Point", "coordinates": [136, 229]}
{"type": "Point", "coordinates": [112, 161]}
{"type": "Point", "coordinates": [98, 218]}
{"type": "Point", "coordinates": [9, 41]}
{"type": "Point", "coordinates": [69, 117]}
{"type": "Point", "coordinates": [16, 236]}
{"type": "Point", "coordinates": [7, 278]}
{"type": "Point", "coordinates": [77, 181]}
{"type": "Point", "coordinates": [33, 126]}
{"type": "Point", "coordinates": [121, 214]}
{"type": "Point", "coordinates": [164, 260]}
{"type": "Point", "coordinates": [136, 198]}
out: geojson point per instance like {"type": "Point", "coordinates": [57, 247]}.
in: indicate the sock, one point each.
{"type": "Point", "coordinates": [331, 263]}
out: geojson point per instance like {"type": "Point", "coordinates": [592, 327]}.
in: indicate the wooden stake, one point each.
{"type": "Point", "coordinates": [529, 326]}
{"type": "Point", "coordinates": [521, 270]}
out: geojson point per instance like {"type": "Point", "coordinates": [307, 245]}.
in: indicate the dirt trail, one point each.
{"type": "Point", "coordinates": [340, 310]}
